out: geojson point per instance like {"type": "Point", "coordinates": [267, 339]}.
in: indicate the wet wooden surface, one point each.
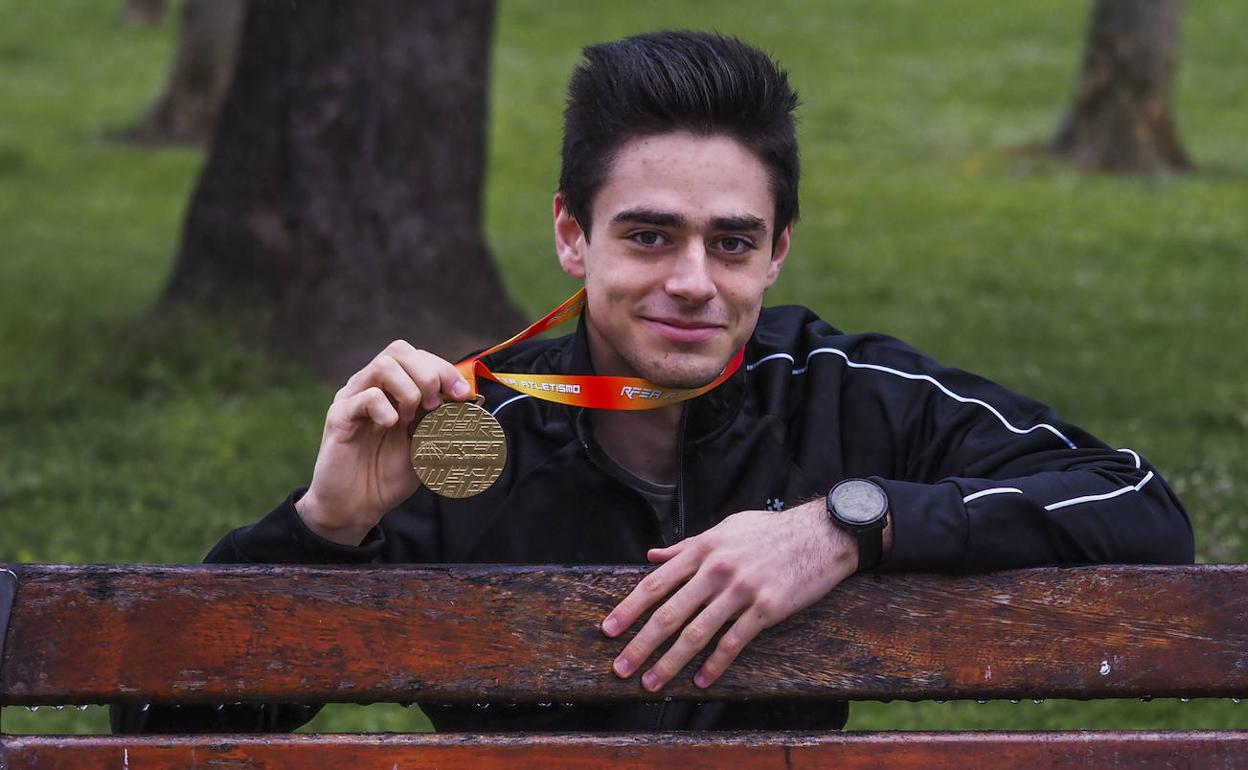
{"type": "Point", "coordinates": [687, 751]}
{"type": "Point", "coordinates": [88, 634]}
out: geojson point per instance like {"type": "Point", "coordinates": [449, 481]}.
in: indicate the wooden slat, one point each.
{"type": "Point", "coordinates": [687, 751]}
{"type": "Point", "coordinates": [85, 634]}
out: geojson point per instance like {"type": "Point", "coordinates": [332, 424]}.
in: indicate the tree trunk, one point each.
{"type": "Point", "coordinates": [1121, 119]}
{"type": "Point", "coordinates": [186, 111]}
{"type": "Point", "coordinates": [343, 190]}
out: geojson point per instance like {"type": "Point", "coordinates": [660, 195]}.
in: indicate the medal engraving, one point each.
{"type": "Point", "coordinates": [459, 450]}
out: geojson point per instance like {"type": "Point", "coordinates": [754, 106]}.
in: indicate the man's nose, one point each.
{"type": "Point", "coordinates": [690, 278]}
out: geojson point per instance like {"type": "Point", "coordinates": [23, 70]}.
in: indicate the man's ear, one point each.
{"type": "Point", "coordinates": [779, 254]}
{"type": "Point", "coordinates": [569, 239]}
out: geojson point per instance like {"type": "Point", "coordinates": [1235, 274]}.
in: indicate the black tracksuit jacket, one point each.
{"type": "Point", "coordinates": [978, 478]}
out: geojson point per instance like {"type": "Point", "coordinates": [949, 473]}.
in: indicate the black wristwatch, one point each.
{"type": "Point", "coordinates": [860, 507]}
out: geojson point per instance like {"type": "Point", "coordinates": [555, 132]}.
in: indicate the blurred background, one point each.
{"type": "Point", "coordinates": [978, 181]}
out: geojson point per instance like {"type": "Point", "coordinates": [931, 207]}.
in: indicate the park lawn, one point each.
{"type": "Point", "coordinates": [1116, 300]}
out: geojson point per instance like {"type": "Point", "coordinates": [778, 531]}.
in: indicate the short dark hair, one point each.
{"type": "Point", "coordinates": [677, 81]}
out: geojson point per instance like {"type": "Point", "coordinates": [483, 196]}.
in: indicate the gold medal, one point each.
{"type": "Point", "coordinates": [459, 449]}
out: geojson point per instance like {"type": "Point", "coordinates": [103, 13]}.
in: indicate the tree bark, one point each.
{"type": "Point", "coordinates": [187, 109]}
{"type": "Point", "coordinates": [343, 189]}
{"type": "Point", "coordinates": [1121, 119]}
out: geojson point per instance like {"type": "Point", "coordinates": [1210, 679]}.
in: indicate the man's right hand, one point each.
{"type": "Point", "coordinates": [364, 466]}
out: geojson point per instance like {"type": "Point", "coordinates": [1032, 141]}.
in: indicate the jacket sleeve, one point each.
{"type": "Point", "coordinates": [986, 479]}
{"type": "Point", "coordinates": [279, 538]}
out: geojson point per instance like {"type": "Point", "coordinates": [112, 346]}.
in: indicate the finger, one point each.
{"type": "Point", "coordinates": [435, 376]}
{"type": "Point", "coordinates": [693, 638]}
{"type": "Point", "coordinates": [396, 383]}
{"type": "Point", "coordinates": [650, 590]}
{"type": "Point", "coordinates": [665, 621]}
{"type": "Point", "coordinates": [385, 372]}
{"type": "Point", "coordinates": [431, 374]}
{"type": "Point", "coordinates": [661, 555]}
{"type": "Point", "coordinates": [741, 633]}
{"type": "Point", "coordinates": [367, 406]}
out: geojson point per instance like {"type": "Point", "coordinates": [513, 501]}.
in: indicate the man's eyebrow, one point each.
{"type": "Point", "coordinates": [742, 224]}
{"type": "Point", "coordinates": [745, 223]}
{"type": "Point", "coordinates": [646, 216]}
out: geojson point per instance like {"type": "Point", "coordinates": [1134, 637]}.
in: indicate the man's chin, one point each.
{"type": "Point", "coordinates": [686, 373]}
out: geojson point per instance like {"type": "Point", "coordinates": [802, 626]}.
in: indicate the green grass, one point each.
{"type": "Point", "coordinates": [1114, 299]}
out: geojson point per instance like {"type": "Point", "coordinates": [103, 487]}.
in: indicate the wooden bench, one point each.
{"type": "Point", "coordinates": [105, 634]}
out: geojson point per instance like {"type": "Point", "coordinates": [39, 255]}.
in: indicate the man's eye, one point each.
{"type": "Point", "coordinates": [647, 238]}
{"type": "Point", "coordinates": [734, 245]}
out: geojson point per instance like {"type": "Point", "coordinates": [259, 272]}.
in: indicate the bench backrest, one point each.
{"type": "Point", "coordinates": [142, 633]}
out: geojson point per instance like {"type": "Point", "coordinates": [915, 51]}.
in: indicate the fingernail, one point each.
{"type": "Point", "coordinates": [622, 666]}
{"type": "Point", "coordinates": [610, 626]}
{"type": "Point", "coordinates": [460, 389]}
{"type": "Point", "coordinates": [700, 680]}
{"type": "Point", "coordinates": [650, 681]}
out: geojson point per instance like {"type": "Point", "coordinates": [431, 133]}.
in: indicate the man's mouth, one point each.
{"type": "Point", "coordinates": [683, 330]}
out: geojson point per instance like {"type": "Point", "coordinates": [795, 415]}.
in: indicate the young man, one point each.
{"type": "Point", "coordinates": [676, 207]}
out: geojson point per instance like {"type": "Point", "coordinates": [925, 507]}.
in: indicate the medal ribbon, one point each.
{"type": "Point", "coordinates": [591, 391]}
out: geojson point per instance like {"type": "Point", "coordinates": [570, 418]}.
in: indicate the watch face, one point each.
{"type": "Point", "coordinates": [858, 501]}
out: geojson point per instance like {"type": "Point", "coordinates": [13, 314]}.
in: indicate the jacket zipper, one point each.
{"type": "Point", "coordinates": [680, 509]}
{"type": "Point", "coordinates": [680, 514]}
{"type": "Point", "coordinates": [680, 475]}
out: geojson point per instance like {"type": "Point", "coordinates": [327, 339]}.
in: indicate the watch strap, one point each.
{"type": "Point", "coordinates": [870, 547]}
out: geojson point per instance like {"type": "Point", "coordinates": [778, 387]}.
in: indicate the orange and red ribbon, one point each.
{"type": "Point", "coordinates": [590, 391]}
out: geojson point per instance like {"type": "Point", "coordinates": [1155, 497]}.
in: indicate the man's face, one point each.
{"type": "Point", "coordinates": [678, 257]}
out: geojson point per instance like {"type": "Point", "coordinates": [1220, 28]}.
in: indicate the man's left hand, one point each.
{"type": "Point", "coordinates": [753, 570]}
